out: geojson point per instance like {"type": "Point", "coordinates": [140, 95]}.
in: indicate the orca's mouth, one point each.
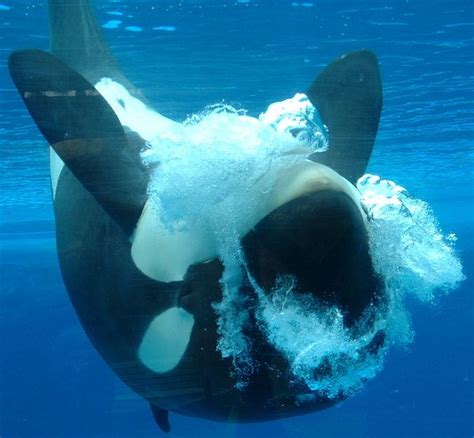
{"type": "Point", "coordinates": [320, 240]}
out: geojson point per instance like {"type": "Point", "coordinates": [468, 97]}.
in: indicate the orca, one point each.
{"type": "Point", "coordinates": [154, 323]}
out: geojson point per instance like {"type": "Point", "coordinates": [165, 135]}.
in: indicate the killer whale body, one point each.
{"type": "Point", "coordinates": [100, 195]}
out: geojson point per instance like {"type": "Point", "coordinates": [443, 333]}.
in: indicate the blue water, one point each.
{"type": "Point", "coordinates": [188, 54]}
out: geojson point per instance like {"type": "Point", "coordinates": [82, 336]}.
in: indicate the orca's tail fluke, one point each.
{"type": "Point", "coordinates": [77, 39]}
{"type": "Point", "coordinates": [348, 96]}
{"type": "Point", "coordinates": [84, 131]}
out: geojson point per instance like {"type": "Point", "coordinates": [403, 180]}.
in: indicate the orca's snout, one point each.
{"type": "Point", "coordinates": [320, 239]}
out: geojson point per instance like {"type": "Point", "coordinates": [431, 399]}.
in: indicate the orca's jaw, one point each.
{"type": "Point", "coordinates": [319, 239]}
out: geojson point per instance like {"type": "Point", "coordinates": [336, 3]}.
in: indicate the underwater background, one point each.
{"type": "Point", "coordinates": [185, 55]}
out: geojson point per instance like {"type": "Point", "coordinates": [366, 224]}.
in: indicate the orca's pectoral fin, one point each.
{"type": "Point", "coordinates": [161, 417]}
{"type": "Point", "coordinates": [84, 131]}
{"type": "Point", "coordinates": [348, 96]}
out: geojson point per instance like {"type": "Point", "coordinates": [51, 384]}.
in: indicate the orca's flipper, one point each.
{"type": "Point", "coordinates": [76, 39]}
{"type": "Point", "coordinates": [84, 131]}
{"type": "Point", "coordinates": [348, 96]}
{"type": "Point", "coordinates": [161, 417]}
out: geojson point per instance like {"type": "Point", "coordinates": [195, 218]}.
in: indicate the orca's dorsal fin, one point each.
{"type": "Point", "coordinates": [348, 96]}
{"type": "Point", "coordinates": [76, 38]}
{"type": "Point", "coordinates": [84, 131]}
{"type": "Point", "coordinates": [161, 417]}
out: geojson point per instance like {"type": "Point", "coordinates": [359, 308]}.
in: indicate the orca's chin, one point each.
{"type": "Point", "coordinates": [320, 240]}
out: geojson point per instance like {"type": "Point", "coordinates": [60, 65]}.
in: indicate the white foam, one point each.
{"type": "Point", "coordinates": [408, 247]}
{"type": "Point", "coordinates": [313, 337]}
{"type": "Point", "coordinates": [233, 313]}
{"type": "Point", "coordinates": [219, 171]}
{"type": "Point", "coordinates": [298, 117]}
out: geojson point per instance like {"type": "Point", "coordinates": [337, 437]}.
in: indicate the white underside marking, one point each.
{"type": "Point", "coordinates": [55, 166]}
{"type": "Point", "coordinates": [133, 113]}
{"type": "Point", "coordinates": [166, 340]}
{"type": "Point", "coordinates": [166, 256]}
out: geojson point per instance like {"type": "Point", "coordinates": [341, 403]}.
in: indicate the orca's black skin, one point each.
{"type": "Point", "coordinates": [319, 237]}
{"type": "Point", "coordinates": [348, 96]}
{"type": "Point", "coordinates": [161, 417]}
